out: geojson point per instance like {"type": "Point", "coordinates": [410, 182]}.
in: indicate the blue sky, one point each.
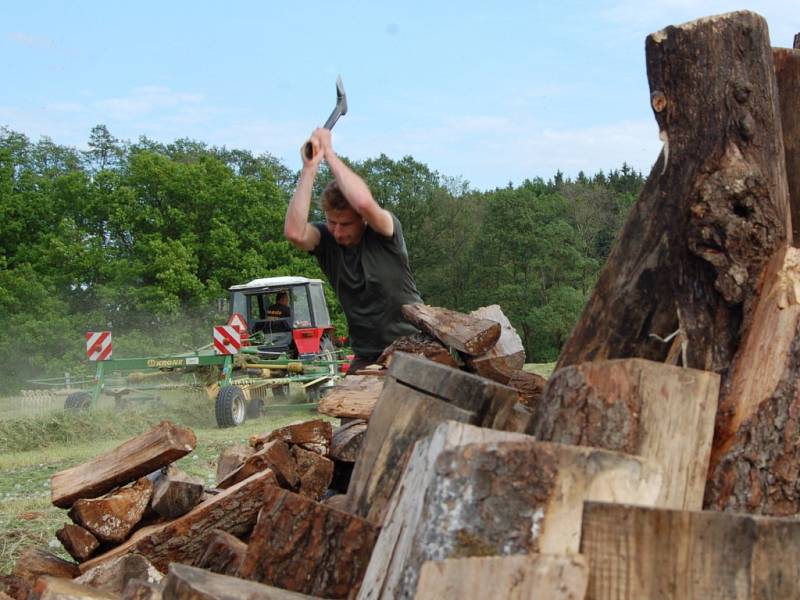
{"type": "Point", "coordinates": [490, 92]}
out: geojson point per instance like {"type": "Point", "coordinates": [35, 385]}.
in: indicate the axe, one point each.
{"type": "Point", "coordinates": [338, 110]}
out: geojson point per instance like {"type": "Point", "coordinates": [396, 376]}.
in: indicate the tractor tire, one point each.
{"type": "Point", "coordinates": [78, 401]}
{"type": "Point", "coordinates": [281, 393]}
{"type": "Point", "coordinates": [255, 408]}
{"type": "Point", "coordinates": [230, 408]}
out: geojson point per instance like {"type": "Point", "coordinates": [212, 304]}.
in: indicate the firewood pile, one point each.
{"type": "Point", "coordinates": [660, 460]}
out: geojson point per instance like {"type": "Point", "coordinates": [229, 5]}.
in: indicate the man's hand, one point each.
{"type": "Point", "coordinates": [320, 141]}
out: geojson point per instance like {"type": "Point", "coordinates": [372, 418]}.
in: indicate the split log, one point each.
{"type": "Point", "coordinates": [303, 546]}
{"type": "Point", "coordinates": [417, 396]}
{"type": "Point", "coordinates": [135, 458]}
{"type": "Point", "coordinates": [232, 458]}
{"type": "Point", "coordinates": [223, 554]}
{"type": "Point", "coordinates": [787, 74]}
{"type": "Point", "coordinates": [468, 334]}
{"type": "Point", "coordinates": [347, 441]}
{"type": "Point", "coordinates": [353, 398]}
{"type": "Point", "coordinates": [419, 344]}
{"type": "Point", "coordinates": [315, 472]}
{"type": "Point", "coordinates": [15, 587]}
{"type": "Point", "coordinates": [713, 210]}
{"type": "Point", "coordinates": [4, 596]}
{"type": "Point", "coordinates": [112, 517]}
{"type": "Point", "coordinates": [112, 576]}
{"type": "Point", "coordinates": [529, 385]}
{"type": "Point", "coordinates": [507, 494]}
{"type": "Point", "coordinates": [234, 510]}
{"type": "Point", "coordinates": [506, 356]}
{"type": "Point", "coordinates": [520, 419]}
{"type": "Point", "coordinates": [273, 455]}
{"type": "Point", "coordinates": [141, 590]}
{"type": "Point", "coordinates": [34, 562]}
{"type": "Point", "coordinates": [336, 502]}
{"type": "Point", "coordinates": [175, 493]}
{"type": "Point", "coordinates": [189, 583]}
{"type": "Point", "coordinates": [755, 459]}
{"type": "Point", "coordinates": [314, 435]}
{"type": "Point", "coordinates": [77, 541]}
{"type": "Point", "coordinates": [672, 555]}
{"type": "Point", "coordinates": [56, 588]}
{"type": "Point", "coordinates": [509, 577]}
{"type": "Point", "coordinates": [656, 411]}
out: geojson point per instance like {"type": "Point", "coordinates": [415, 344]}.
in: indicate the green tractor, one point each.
{"type": "Point", "coordinates": [285, 337]}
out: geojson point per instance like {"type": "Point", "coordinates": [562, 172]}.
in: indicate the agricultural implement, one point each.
{"type": "Point", "coordinates": [279, 333]}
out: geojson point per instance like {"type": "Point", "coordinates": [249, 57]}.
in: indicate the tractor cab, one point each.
{"type": "Point", "coordinates": [284, 315]}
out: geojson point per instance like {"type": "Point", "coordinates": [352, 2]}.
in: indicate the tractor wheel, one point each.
{"type": "Point", "coordinates": [230, 407]}
{"type": "Point", "coordinates": [281, 393]}
{"type": "Point", "coordinates": [255, 408]}
{"type": "Point", "coordinates": [78, 401]}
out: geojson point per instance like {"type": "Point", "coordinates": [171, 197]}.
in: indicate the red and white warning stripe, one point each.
{"type": "Point", "coordinates": [98, 345]}
{"type": "Point", "coordinates": [227, 339]}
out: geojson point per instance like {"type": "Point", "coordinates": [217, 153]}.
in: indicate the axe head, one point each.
{"type": "Point", "coordinates": [341, 105]}
{"type": "Point", "coordinates": [341, 98]}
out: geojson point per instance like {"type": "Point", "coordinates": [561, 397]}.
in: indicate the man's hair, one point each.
{"type": "Point", "coordinates": [332, 198]}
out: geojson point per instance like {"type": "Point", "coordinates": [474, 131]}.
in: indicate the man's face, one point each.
{"type": "Point", "coordinates": [346, 226]}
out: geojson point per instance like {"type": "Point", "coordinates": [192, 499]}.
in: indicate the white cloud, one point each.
{"type": "Point", "coordinates": [144, 100]}
{"type": "Point", "coordinates": [28, 39]}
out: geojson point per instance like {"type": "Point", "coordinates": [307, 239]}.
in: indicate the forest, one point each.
{"type": "Point", "coordinates": [144, 238]}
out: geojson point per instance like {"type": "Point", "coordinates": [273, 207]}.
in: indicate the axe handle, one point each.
{"type": "Point", "coordinates": [308, 149]}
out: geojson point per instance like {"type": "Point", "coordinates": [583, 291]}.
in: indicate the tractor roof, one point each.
{"type": "Point", "coordinates": [267, 282]}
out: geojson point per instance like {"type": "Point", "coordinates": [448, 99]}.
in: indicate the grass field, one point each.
{"type": "Point", "coordinates": [38, 438]}
{"type": "Point", "coordinates": [38, 441]}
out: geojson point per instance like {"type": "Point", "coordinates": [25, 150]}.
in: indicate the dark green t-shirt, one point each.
{"type": "Point", "coordinates": [372, 281]}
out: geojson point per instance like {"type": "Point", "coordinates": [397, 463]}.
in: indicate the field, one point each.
{"type": "Point", "coordinates": [38, 438]}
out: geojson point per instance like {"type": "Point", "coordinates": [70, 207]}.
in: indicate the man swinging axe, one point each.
{"type": "Point", "coordinates": [360, 246]}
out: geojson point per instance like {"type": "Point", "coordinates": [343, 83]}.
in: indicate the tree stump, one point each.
{"type": "Point", "coordinates": [714, 208]}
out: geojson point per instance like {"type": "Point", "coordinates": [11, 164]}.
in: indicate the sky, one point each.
{"type": "Point", "coordinates": [488, 92]}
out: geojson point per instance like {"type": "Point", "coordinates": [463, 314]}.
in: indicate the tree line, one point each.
{"type": "Point", "coordinates": [144, 238]}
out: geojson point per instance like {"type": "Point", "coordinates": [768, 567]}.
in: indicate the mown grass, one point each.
{"type": "Point", "coordinates": [35, 446]}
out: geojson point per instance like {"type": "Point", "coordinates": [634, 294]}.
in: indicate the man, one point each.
{"type": "Point", "coordinates": [280, 309]}
{"type": "Point", "coordinates": [360, 248]}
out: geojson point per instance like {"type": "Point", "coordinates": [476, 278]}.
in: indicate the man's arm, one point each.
{"type": "Point", "coordinates": [355, 189]}
{"type": "Point", "coordinates": [296, 227]}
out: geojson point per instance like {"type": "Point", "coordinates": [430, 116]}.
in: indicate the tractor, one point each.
{"type": "Point", "coordinates": [284, 336]}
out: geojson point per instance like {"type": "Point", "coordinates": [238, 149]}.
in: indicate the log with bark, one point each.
{"type": "Point", "coordinates": [787, 74]}
{"type": "Point", "coordinates": [506, 356]}
{"type": "Point", "coordinates": [112, 576]}
{"type": "Point", "coordinates": [112, 517]}
{"type": "Point", "coordinates": [529, 385]}
{"type": "Point", "coordinates": [135, 458]}
{"type": "Point", "coordinates": [347, 441]}
{"type": "Point", "coordinates": [755, 459]}
{"type": "Point", "coordinates": [315, 472]}
{"type": "Point", "coordinates": [273, 455]}
{"type": "Point", "coordinates": [307, 547]}
{"type": "Point", "coordinates": [417, 396]}
{"type": "Point", "coordinates": [713, 210]}
{"type": "Point", "coordinates": [672, 555]}
{"type": "Point", "coordinates": [223, 553]}
{"type": "Point", "coordinates": [469, 491]}
{"type": "Point", "coordinates": [233, 510]}
{"type": "Point", "coordinates": [175, 493]}
{"type": "Point", "coordinates": [419, 344]}
{"type": "Point", "coordinates": [231, 458]}
{"type": "Point", "coordinates": [510, 577]}
{"type": "Point", "coordinates": [190, 583]}
{"type": "Point", "coordinates": [55, 588]}
{"type": "Point", "coordinates": [468, 334]}
{"type": "Point", "coordinates": [77, 541]}
{"type": "Point", "coordinates": [353, 398]}
{"type": "Point", "coordinates": [314, 435]}
{"type": "Point", "coordinates": [35, 562]}
{"type": "Point", "coordinates": [660, 412]}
